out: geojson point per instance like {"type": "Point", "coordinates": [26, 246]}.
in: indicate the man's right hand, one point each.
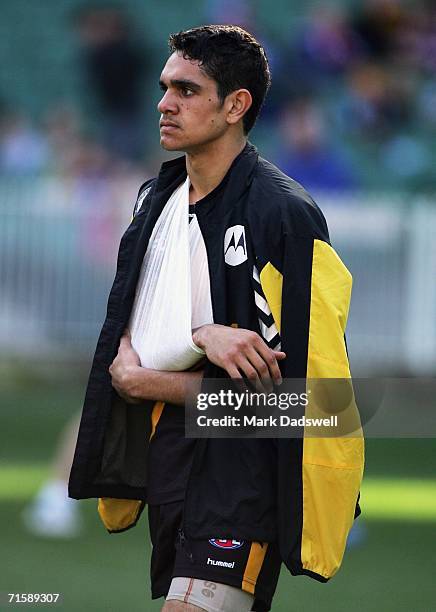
{"type": "Point", "coordinates": [241, 352]}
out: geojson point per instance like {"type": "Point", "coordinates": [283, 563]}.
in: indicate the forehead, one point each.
{"type": "Point", "coordinates": [178, 68]}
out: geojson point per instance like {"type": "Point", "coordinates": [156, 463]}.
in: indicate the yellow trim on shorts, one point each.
{"type": "Point", "coordinates": [254, 565]}
{"type": "Point", "coordinates": [155, 416]}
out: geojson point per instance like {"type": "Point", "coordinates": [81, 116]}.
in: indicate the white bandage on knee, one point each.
{"type": "Point", "coordinates": [210, 596]}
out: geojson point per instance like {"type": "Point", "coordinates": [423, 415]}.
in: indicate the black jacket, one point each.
{"type": "Point", "coordinates": [290, 264]}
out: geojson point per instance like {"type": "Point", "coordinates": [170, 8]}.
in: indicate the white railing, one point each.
{"type": "Point", "coordinates": [388, 244]}
{"type": "Point", "coordinates": [58, 245]}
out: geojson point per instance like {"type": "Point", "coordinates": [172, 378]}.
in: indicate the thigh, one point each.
{"type": "Point", "coordinates": [209, 596]}
{"type": "Point", "coordinates": [164, 522]}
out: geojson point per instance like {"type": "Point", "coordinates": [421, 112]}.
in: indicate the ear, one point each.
{"type": "Point", "coordinates": [238, 102]}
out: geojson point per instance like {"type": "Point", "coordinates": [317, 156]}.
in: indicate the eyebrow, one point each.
{"type": "Point", "coordinates": [182, 83]}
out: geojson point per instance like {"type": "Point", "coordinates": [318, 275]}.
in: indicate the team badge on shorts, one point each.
{"type": "Point", "coordinates": [226, 544]}
{"type": "Point", "coordinates": [235, 247]}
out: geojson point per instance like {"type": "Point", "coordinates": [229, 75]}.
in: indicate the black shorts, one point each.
{"type": "Point", "coordinates": [251, 566]}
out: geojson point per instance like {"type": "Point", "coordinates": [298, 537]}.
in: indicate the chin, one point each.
{"type": "Point", "coordinates": [183, 145]}
{"type": "Point", "coordinates": [169, 145]}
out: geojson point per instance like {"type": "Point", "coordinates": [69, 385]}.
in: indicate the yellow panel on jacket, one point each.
{"type": "Point", "coordinates": [120, 514]}
{"type": "Point", "coordinates": [332, 467]}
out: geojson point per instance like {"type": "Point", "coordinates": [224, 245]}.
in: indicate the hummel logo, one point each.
{"type": "Point", "coordinates": [229, 564]}
{"type": "Point", "coordinates": [235, 249]}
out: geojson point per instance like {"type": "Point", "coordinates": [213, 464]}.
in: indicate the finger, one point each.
{"type": "Point", "coordinates": [269, 357]}
{"type": "Point", "coordinates": [279, 355]}
{"type": "Point", "coordinates": [247, 369]}
{"type": "Point", "coordinates": [253, 376]}
{"type": "Point", "coordinates": [261, 368]}
{"type": "Point", "coordinates": [233, 372]}
{"type": "Point", "coordinates": [236, 377]}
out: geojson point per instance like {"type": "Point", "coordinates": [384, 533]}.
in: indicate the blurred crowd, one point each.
{"type": "Point", "coordinates": [104, 134]}
{"type": "Point", "coordinates": [352, 105]}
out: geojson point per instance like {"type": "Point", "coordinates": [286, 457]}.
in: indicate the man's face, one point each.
{"type": "Point", "coordinates": [191, 113]}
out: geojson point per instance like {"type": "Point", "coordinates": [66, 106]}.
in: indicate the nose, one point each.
{"type": "Point", "coordinates": [167, 104]}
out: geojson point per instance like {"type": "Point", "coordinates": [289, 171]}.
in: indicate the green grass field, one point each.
{"type": "Point", "coordinates": [392, 570]}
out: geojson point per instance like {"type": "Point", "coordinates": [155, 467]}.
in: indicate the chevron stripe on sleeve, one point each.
{"type": "Point", "coordinates": [267, 325]}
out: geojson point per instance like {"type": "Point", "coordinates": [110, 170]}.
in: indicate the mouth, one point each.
{"type": "Point", "coordinates": [167, 125]}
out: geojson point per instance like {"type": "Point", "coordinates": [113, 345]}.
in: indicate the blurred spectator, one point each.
{"type": "Point", "coordinates": [63, 126]}
{"type": "Point", "coordinates": [378, 26]}
{"type": "Point", "coordinates": [328, 43]}
{"type": "Point", "coordinates": [321, 48]}
{"type": "Point", "coordinates": [88, 160]}
{"type": "Point", "coordinates": [376, 102]}
{"type": "Point", "coordinates": [236, 12]}
{"type": "Point", "coordinates": [93, 173]}
{"type": "Point", "coordinates": [23, 149]}
{"type": "Point", "coordinates": [373, 65]}
{"type": "Point", "coordinates": [406, 157]}
{"type": "Point", "coordinates": [416, 41]}
{"type": "Point", "coordinates": [307, 156]}
{"type": "Point", "coordinates": [427, 103]}
{"type": "Point", "coordinates": [114, 65]}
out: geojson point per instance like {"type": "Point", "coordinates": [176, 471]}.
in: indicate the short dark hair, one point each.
{"type": "Point", "coordinates": [232, 57]}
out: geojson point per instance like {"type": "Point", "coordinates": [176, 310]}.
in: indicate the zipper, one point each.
{"type": "Point", "coordinates": [185, 545]}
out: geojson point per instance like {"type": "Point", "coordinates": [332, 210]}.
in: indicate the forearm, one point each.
{"type": "Point", "coordinates": [171, 387]}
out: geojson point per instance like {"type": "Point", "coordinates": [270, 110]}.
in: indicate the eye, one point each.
{"type": "Point", "coordinates": [186, 92]}
{"type": "Point", "coordinates": [162, 87]}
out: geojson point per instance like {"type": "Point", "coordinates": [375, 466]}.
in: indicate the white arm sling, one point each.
{"type": "Point", "coordinates": [171, 298]}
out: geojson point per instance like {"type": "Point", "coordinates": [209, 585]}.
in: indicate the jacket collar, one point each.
{"type": "Point", "coordinates": [173, 172]}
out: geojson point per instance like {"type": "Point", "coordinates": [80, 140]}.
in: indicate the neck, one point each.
{"type": "Point", "coordinates": [207, 167]}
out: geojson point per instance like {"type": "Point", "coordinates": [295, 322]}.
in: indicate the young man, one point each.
{"type": "Point", "coordinates": [223, 513]}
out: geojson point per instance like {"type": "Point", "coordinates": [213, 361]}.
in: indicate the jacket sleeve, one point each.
{"type": "Point", "coordinates": [308, 289]}
{"type": "Point", "coordinates": [116, 514]}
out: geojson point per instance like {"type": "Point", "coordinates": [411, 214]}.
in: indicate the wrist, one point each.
{"type": "Point", "coordinates": [131, 380]}
{"type": "Point", "coordinates": [199, 337]}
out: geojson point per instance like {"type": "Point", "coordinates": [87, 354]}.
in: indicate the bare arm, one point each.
{"type": "Point", "coordinates": [172, 387]}
{"type": "Point", "coordinates": [240, 352]}
{"type": "Point", "coordinates": [136, 384]}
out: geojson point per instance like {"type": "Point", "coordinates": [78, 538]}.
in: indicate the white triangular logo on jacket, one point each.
{"type": "Point", "coordinates": [235, 246]}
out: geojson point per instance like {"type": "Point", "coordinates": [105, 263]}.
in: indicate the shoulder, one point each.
{"type": "Point", "coordinates": [282, 200]}
{"type": "Point", "coordinates": [143, 192]}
